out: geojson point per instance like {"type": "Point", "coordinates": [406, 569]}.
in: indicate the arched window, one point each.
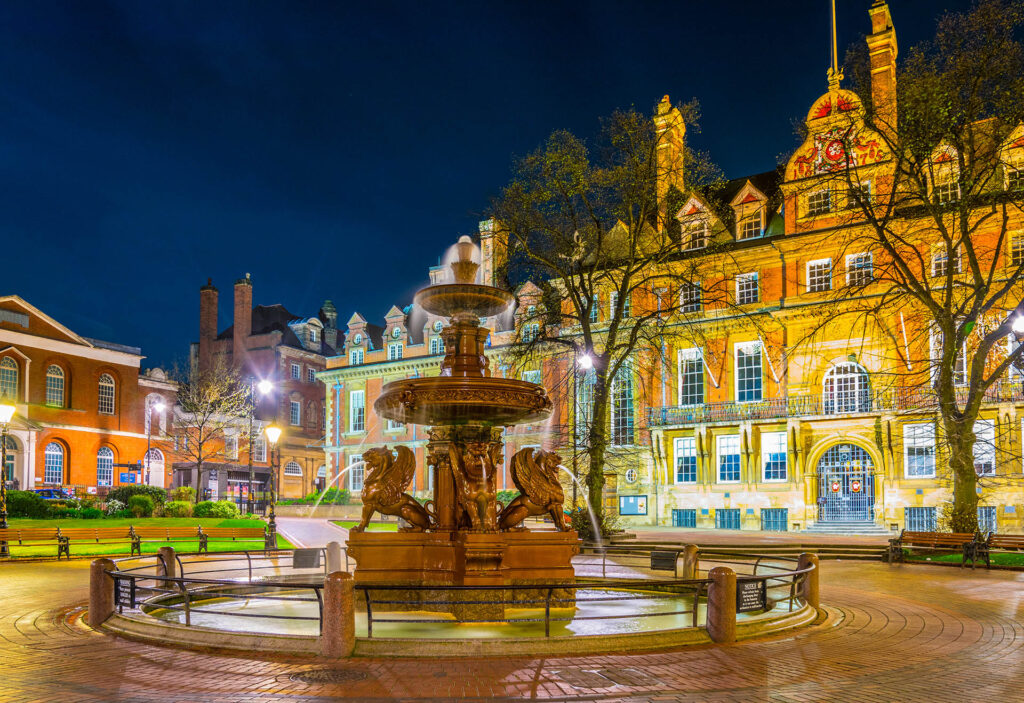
{"type": "Point", "coordinates": [155, 468]}
{"type": "Point", "coordinates": [55, 386]}
{"type": "Point", "coordinates": [10, 451]}
{"type": "Point", "coordinates": [105, 467]}
{"type": "Point", "coordinates": [846, 389]}
{"type": "Point", "coordinates": [9, 378]}
{"type": "Point", "coordinates": [292, 469]}
{"type": "Point", "coordinates": [321, 472]}
{"type": "Point", "coordinates": [53, 463]}
{"type": "Point", "coordinates": [106, 394]}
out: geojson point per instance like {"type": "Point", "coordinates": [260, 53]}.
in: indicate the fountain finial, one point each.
{"type": "Point", "coordinates": [464, 267]}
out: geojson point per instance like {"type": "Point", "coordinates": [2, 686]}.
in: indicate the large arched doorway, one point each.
{"type": "Point", "coordinates": [846, 484]}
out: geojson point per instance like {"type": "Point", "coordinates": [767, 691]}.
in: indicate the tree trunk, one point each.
{"type": "Point", "coordinates": [960, 439]}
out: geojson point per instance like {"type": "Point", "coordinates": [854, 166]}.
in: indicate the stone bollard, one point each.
{"type": "Point", "coordinates": [167, 565]}
{"type": "Point", "coordinates": [338, 636]}
{"type": "Point", "coordinates": [809, 590]}
{"type": "Point", "coordinates": [722, 604]}
{"type": "Point", "coordinates": [101, 592]}
{"type": "Point", "coordinates": [691, 561]}
{"type": "Point", "coordinates": [333, 557]}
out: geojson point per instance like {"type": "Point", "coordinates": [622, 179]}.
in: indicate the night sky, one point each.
{"type": "Point", "coordinates": [335, 149]}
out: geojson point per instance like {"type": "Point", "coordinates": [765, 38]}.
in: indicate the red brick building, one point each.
{"type": "Point", "coordinates": [81, 406]}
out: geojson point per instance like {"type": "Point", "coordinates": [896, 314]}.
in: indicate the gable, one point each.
{"type": "Point", "coordinates": [17, 315]}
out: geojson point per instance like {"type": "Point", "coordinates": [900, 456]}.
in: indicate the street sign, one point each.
{"type": "Point", "coordinates": [751, 596]}
{"type": "Point", "coordinates": [128, 477]}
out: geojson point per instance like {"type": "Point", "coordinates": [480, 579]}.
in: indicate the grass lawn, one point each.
{"type": "Point", "coordinates": [105, 549]}
{"type": "Point", "coordinates": [372, 527]}
{"type": "Point", "coordinates": [998, 558]}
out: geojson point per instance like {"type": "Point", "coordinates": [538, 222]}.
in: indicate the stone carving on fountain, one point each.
{"type": "Point", "coordinates": [384, 489]}
{"type": "Point", "coordinates": [535, 473]}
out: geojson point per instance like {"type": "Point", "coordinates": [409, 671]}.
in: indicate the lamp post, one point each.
{"type": "Point", "coordinates": [273, 434]}
{"type": "Point", "coordinates": [6, 413]}
{"type": "Point", "coordinates": [264, 387]}
{"type": "Point", "coordinates": [159, 407]}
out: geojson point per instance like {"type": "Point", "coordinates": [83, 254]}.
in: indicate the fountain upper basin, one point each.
{"type": "Point", "coordinates": [448, 299]}
{"type": "Point", "coordinates": [458, 400]}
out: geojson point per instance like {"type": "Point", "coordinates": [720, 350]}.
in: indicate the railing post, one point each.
{"type": "Point", "coordinates": [338, 627]}
{"type": "Point", "coordinates": [333, 557]}
{"type": "Point", "coordinates": [167, 565]}
{"type": "Point", "coordinates": [101, 591]}
{"type": "Point", "coordinates": [809, 590]}
{"type": "Point", "coordinates": [547, 615]}
{"type": "Point", "coordinates": [722, 604]}
{"type": "Point", "coordinates": [691, 561]}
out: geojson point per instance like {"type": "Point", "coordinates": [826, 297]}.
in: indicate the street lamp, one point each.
{"type": "Point", "coordinates": [6, 413]}
{"type": "Point", "coordinates": [264, 387]}
{"type": "Point", "coordinates": [159, 407]}
{"type": "Point", "coordinates": [1018, 324]}
{"type": "Point", "coordinates": [273, 434]}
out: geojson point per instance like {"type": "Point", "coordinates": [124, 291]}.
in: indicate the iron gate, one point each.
{"type": "Point", "coordinates": [846, 485]}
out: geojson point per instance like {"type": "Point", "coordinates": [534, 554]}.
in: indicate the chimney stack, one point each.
{"type": "Point", "coordinates": [243, 321]}
{"type": "Point", "coordinates": [671, 131]}
{"type": "Point", "coordinates": [329, 316]}
{"type": "Point", "coordinates": [208, 300]}
{"type": "Point", "coordinates": [882, 51]}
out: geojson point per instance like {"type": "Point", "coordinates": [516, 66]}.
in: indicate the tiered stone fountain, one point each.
{"type": "Point", "coordinates": [463, 536]}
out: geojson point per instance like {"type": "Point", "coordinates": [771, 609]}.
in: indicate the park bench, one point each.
{"type": "Point", "coordinates": [997, 543]}
{"type": "Point", "coordinates": [31, 536]}
{"type": "Point", "coordinates": [64, 536]}
{"type": "Point", "coordinates": [189, 534]}
{"type": "Point", "coordinates": [963, 542]}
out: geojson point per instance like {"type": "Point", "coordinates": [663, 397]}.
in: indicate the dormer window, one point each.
{"type": "Point", "coordinates": [695, 234]}
{"type": "Point", "coordinates": [945, 176]}
{"type": "Point", "coordinates": [1015, 178]}
{"type": "Point", "coordinates": [314, 337]}
{"type": "Point", "coordinates": [819, 202]}
{"type": "Point", "coordinates": [750, 226]}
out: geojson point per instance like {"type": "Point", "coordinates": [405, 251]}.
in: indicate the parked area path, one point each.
{"type": "Point", "coordinates": [901, 633]}
{"type": "Point", "coordinates": [310, 532]}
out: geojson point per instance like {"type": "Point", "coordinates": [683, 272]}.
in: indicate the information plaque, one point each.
{"type": "Point", "coordinates": [306, 558]}
{"type": "Point", "coordinates": [751, 596]}
{"type": "Point", "coordinates": [124, 592]}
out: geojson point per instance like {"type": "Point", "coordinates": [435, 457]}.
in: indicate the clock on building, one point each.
{"type": "Point", "coordinates": [396, 332]}
{"type": "Point", "coordinates": [438, 325]}
{"type": "Point", "coordinates": [358, 339]}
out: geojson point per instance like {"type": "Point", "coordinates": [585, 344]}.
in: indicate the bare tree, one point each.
{"type": "Point", "coordinates": [209, 404]}
{"type": "Point", "coordinates": [920, 187]}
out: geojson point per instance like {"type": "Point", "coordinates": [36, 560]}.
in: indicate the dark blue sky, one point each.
{"type": "Point", "coordinates": [335, 149]}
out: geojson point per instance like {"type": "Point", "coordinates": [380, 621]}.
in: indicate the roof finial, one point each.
{"type": "Point", "coordinates": [835, 73]}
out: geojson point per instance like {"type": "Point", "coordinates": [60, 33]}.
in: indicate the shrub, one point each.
{"type": "Point", "coordinates": [58, 512]}
{"type": "Point", "coordinates": [141, 505]}
{"type": "Point", "coordinates": [124, 492]}
{"type": "Point", "coordinates": [506, 497]}
{"type": "Point", "coordinates": [202, 508]}
{"type": "Point", "coordinates": [113, 508]}
{"type": "Point", "coordinates": [333, 495]}
{"type": "Point", "coordinates": [222, 509]}
{"type": "Point", "coordinates": [91, 513]}
{"type": "Point", "coordinates": [178, 508]}
{"type": "Point", "coordinates": [184, 493]}
{"type": "Point", "coordinates": [26, 504]}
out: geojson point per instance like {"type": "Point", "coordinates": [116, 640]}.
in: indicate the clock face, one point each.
{"type": "Point", "coordinates": [438, 325]}
{"type": "Point", "coordinates": [834, 150]}
{"type": "Point", "coordinates": [358, 339]}
{"type": "Point", "coordinates": [396, 333]}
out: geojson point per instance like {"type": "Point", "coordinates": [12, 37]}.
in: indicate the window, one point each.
{"type": "Point", "coordinates": [313, 335]}
{"type": "Point", "coordinates": [747, 291]}
{"type": "Point", "coordinates": [728, 458]}
{"type": "Point", "coordinates": [986, 518]}
{"type": "Point", "coordinates": [259, 448]}
{"type": "Point", "coordinates": [295, 412]}
{"type": "Point", "coordinates": [9, 378]}
{"type": "Point", "coordinates": [53, 463]}
{"type": "Point", "coordinates": [690, 297]}
{"type": "Point", "coordinates": [296, 372]}
{"type": "Point", "coordinates": [695, 235]}
{"type": "Point", "coordinates": [594, 306]}
{"type": "Point", "coordinates": [622, 407]}
{"type": "Point", "coordinates": [748, 372]}
{"type": "Point", "coordinates": [946, 190]}
{"type": "Point", "coordinates": [819, 203]}
{"type": "Point", "coordinates": [860, 194]}
{"type": "Point", "coordinates": [859, 269]}
{"type": "Point", "coordinates": [919, 450]}
{"type": "Point", "coordinates": [1014, 178]}
{"type": "Point", "coordinates": [775, 519]}
{"type": "Point", "coordinates": [959, 363]}
{"type": "Point", "coordinates": [684, 517]}
{"type": "Point", "coordinates": [691, 377]}
{"type": "Point", "coordinates": [394, 351]}
{"type": "Point", "coordinates": [356, 411]}
{"type": "Point", "coordinates": [727, 518]}
{"type": "Point", "coordinates": [940, 258]}
{"type": "Point", "coordinates": [105, 467]}
{"type": "Point", "coordinates": [920, 520]}
{"type": "Point", "coordinates": [356, 473]}
{"type": "Point", "coordinates": [585, 383]}
{"type": "Point", "coordinates": [985, 447]}
{"type": "Point", "coordinates": [774, 456]}
{"type": "Point", "coordinates": [105, 395]}
{"type": "Point", "coordinates": [394, 425]}
{"type": "Point", "coordinates": [231, 446]}
{"type": "Point", "coordinates": [355, 357]}
{"type": "Point", "coordinates": [436, 345]}
{"type": "Point", "coordinates": [846, 389]}
{"type": "Point", "coordinates": [8, 468]}
{"type": "Point", "coordinates": [819, 275]}
{"type": "Point", "coordinates": [750, 226]}
{"type": "Point", "coordinates": [310, 375]}
{"type": "Point", "coordinates": [613, 301]}
{"type": "Point", "coordinates": [686, 460]}
{"type": "Point", "coordinates": [533, 376]}
{"type": "Point", "coordinates": [292, 469]}
{"type": "Point", "coordinates": [55, 386]}
{"type": "Point", "coordinates": [1017, 249]}
{"type": "Point", "coordinates": [531, 331]}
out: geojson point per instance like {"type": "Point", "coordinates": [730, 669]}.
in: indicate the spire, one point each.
{"type": "Point", "coordinates": [835, 73]}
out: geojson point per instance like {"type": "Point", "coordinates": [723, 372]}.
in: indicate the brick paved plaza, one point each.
{"type": "Point", "coordinates": [902, 633]}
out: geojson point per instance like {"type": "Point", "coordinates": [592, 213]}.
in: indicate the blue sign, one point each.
{"type": "Point", "coordinates": [632, 505]}
{"type": "Point", "coordinates": [128, 477]}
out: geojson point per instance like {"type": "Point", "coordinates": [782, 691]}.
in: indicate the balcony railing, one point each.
{"type": "Point", "coordinates": [839, 403]}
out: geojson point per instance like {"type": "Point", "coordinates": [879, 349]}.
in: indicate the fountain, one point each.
{"type": "Point", "coordinates": [462, 537]}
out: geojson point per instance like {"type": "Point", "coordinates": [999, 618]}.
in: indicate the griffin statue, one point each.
{"type": "Point", "coordinates": [384, 488]}
{"type": "Point", "coordinates": [535, 473]}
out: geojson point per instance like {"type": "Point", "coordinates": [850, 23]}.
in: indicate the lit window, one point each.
{"type": "Point", "coordinates": [946, 191]}
{"type": "Point", "coordinates": [1017, 249]}
{"type": "Point", "coordinates": [846, 389]}
{"type": "Point", "coordinates": [819, 275]}
{"type": "Point", "coordinates": [859, 269]}
{"type": "Point", "coordinates": [531, 332]}
{"type": "Point", "coordinates": [985, 447]}
{"type": "Point", "coordinates": [356, 473]}
{"type": "Point", "coordinates": [292, 469]}
{"type": "Point", "coordinates": [9, 378]}
{"type": "Point", "coordinates": [728, 458]}
{"type": "Point", "coordinates": [695, 235]}
{"type": "Point", "coordinates": [585, 383]}
{"type": "Point", "coordinates": [55, 386]}
{"type": "Point", "coordinates": [105, 467]}
{"type": "Point", "coordinates": [1014, 179]}
{"type": "Point", "coordinates": [686, 460]}
{"type": "Point", "coordinates": [919, 450]}
{"type": "Point", "coordinates": [747, 290]}
{"type": "Point", "coordinates": [691, 377]}
{"type": "Point", "coordinates": [259, 448]}
{"type": "Point", "coordinates": [860, 194]}
{"type": "Point", "coordinates": [622, 407]}
{"type": "Point", "coordinates": [594, 309]}
{"type": "Point", "coordinates": [356, 411]}
{"type": "Point", "coordinates": [106, 395]}
{"type": "Point", "coordinates": [296, 372]}
{"type": "Point", "coordinates": [940, 258]}
{"type": "Point", "coordinates": [436, 345]}
{"type": "Point", "coordinates": [53, 471]}
{"type": "Point", "coordinates": [295, 413]}
{"type": "Point", "coordinates": [231, 446]}
{"type": "Point", "coordinates": [311, 375]}
{"type": "Point", "coordinates": [750, 226]}
{"type": "Point", "coordinates": [774, 456]}
{"type": "Point", "coordinates": [748, 372]}
{"type": "Point", "coordinates": [613, 301]}
{"type": "Point", "coordinates": [355, 357]}
{"type": "Point", "coordinates": [819, 203]}
{"type": "Point", "coordinates": [690, 297]}
{"type": "Point", "coordinates": [394, 351]}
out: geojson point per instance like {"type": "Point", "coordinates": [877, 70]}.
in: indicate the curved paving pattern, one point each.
{"type": "Point", "coordinates": [900, 633]}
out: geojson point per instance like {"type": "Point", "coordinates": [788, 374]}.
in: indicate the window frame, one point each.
{"type": "Point", "coordinates": [681, 449]}
{"type": "Point", "coordinates": [921, 441]}
{"type": "Point", "coordinates": [48, 465]}
{"type": "Point", "coordinates": [780, 439]}
{"type": "Point", "coordinates": [292, 474]}
{"type": "Point", "coordinates": [720, 440]}
{"type": "Point", "coordinates": [757, 219]}
{"type": "Point", "coordinates": [855, 269]}
{"type": "Point", "coordinates": [107, 455]}
{"type": "Point", "coordinates": [295, 413]}
{"type": "Point", "coordinates": [52, 389]}
{"type": "Point", "coordinates": [694, 234]}
{"type": "Point", "coordinates": [689, 355]}
{"type": "Point", "coordinates": [691, 297]}
{"type": "Point", "coordinates": [819, 283]}
{"type": "Point", "coordinates": [10, 375]}
{"type": "Point", "coordinates": [357, 411]}
{"type": "Point", "coordinates": [396, 351]}
{"type": "Point", "coordinates": [296, 372]}
{"type": "Point", "coordinates": [987, 427]}
{"type": "Point", "coordinates": [356, 357]}
{"type": "Point", "coordinates": [743, 347]}
{"type": "Point", "coordinates": [818, 203]}
{"type": "Point", "coordinates": [106, 400]}
{"type": "Point", "coordinates": [742, 281]}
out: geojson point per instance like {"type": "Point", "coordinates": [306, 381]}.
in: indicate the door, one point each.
{"type": "Point", "coordinates": [846, 485]}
